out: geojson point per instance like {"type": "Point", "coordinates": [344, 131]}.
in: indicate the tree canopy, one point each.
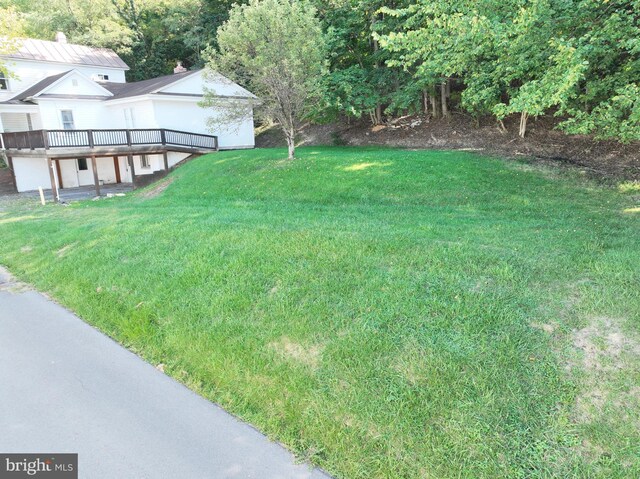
{"type": "Point", "coordinates": [11, 26]}
{"type": "Point", "coordinates": [276, 48]}
{"type": "Point", "coordinates": [576, 59]}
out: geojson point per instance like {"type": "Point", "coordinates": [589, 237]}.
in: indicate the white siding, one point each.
{"type": "Point", "coordinates": [194, 85]}
{"type": "Point", "coordinates": [86, 113]}
{"type": "Point", "coordinates": [106, 170]}
{"type": "Point", "coordinates": [173, 157]}
{"type": "Point", "coordinates": [19, 122]}
{"type": "Point", "coordinates": [31, 173]}
{"type": "Point", "coordinates": [74, 84]}
{"type": "Point", "coordinates": [187, 115]}
{"type": "Point", "coordinates": [26, 73]}
{"type": "Point", "coordinates": [184, 113]}
{"type": "Point", "coordinates": [69, 173]}
{"type": "Point", "coordinates": [156, 163]}
{"type": "Point", "coordinates": [141, 110]}
{"type": "Point", "coordinates": [125, 174]}
{"type": "Point", "coordinates": [15, 122]}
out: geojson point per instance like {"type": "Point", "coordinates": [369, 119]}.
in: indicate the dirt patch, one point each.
{"type": "Point", "coordinates": [605, 351]}
{"type": "Point", "coordinates": [10, 284]}
{"type": "Point", "coordinates": [64, 250]}
{"type": "Point", "coordinates": [158, 188]}
{"type": "Point", "coordinates": [544, 144]}
{"type": "Point", "coordinates": [410, 363]}
{"type": "Point", "coordinates": [546, 327]}
{"type": "Point", "coordinates": [603, 345]}
{"type": "Point", "coordinates": [305, 354]}
{"type": "Point", "coordinates": [366, 165]}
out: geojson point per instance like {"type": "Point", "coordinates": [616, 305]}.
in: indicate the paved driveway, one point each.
{"type": "Point", "coordinates": [65, 387]}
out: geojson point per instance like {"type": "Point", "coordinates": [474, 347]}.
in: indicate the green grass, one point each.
{"type": "Point", "coordinates": [384, 313]}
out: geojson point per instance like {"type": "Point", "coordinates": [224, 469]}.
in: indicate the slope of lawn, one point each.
{"type": "Point", "coordinates": [383, 313]}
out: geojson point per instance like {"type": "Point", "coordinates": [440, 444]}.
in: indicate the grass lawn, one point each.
{"type": "Point", "coordinates": [383, 313]}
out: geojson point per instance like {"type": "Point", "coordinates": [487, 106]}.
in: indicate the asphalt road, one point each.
{"type": "Point", "coordinates": [65, 387]}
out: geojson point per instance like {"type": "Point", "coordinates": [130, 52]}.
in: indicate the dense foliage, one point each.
{"type": "Point", "coordinates": [11, 28]}
{"type": "Point", "coordinates": [577, 59]}
{"type": "Point", "coordinates": [150, 35]}
{"type": "Point", "coordinates": [276, 48]}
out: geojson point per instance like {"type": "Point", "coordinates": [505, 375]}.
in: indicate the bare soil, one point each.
{"type": "Point", "coordinates": [158, 188]}
{"type": "Point", "coordinates": [543, 143]}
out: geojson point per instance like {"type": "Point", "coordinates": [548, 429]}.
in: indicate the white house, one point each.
{"type": "Point", "coordinates": [68, 117]}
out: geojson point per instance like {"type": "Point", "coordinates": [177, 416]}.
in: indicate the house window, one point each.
{"type": "Point", "coordinates": [4, 81]}
{"type": "Point", "coordinates": [82, 164]}
{"type": "Point", "coordinates": [102, 77]}
{"type": "Point", "coordinates": [67, 120]}
{"type": "Point", "coordinates": [144, 161]}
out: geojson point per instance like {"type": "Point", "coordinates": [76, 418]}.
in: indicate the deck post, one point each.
{"type": "Point", "coordinates": [59, 174]}
{"type": "Point", "coordinates": [116, 166]}
{"type": "Point", "coordinates": [13, 173]}
{"type": "Point", "coordinates": [132, 168]}
{"type": "Point", "coordinates": [95, 174]}
{"type": "Point", "coordinates": [52, 177]}
{"type": "Point", "coordinates": [166, 160]}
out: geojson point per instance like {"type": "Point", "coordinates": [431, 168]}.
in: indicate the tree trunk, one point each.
{"type": "Point", "coordinates": [425, 102]}
{"type": "Point", "coordinates": [443, 98]}
{"type": "Point", "coordinates": [292, 148]}
{"type": "Point", "coordinates": [434, 106]}
{"type": "Point", "coordinates": [290, 135]}
{"type": "Point", "coordinates": [378, 115]}
{"type": "Point", "coordinates": [376, 47]}
{"type": "Point", "coordinates": [523, 123]}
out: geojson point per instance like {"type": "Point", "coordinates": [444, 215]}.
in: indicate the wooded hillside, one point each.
{"type": "Point", "coordinates": [578, 60]}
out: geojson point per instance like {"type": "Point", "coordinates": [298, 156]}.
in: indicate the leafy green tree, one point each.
{"type": "Point", "coordinates": [150, 35]}
{"type": "Point", "coordinates": [11, 26]}
{"type": "Point", "coordinates": [607, 37]}
{"type": "Point", "coordinates": [277, 49]}
{"type": "Point", "coordinates": [359, 81]}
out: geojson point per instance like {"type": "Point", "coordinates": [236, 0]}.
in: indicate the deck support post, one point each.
{"type": "Point", "coordinates": [166, 160]}
{"type": "Point", "coordinates": [116, 166]}
{"type": "Point", "coordinates": [96, 182]}
{"type": "Point", "coordinates": [59, 175]}
{"type": "Point", "coordinates": [52, 177]}
{"type": "Point", "coordinates": [133, 169]}
{"type": "Point", "coordinates": [13, 173]}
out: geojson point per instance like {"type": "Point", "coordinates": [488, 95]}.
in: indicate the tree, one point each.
{"type": "Point", "coordinates": [149, 35]}
{"type": "Point", "coordinates": [359, 83]}
{"type": "Point", "coordinates": [277, 49]}
{"type": "Point", "coordinates": [11, 25]}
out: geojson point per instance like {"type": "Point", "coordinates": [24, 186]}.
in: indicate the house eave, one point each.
{"type": "Point", "coordinates": [181, 97]}
{"type": "Point", "coordinates": [17, 108]}
{"type": "Point", "coordinates": [71, 97]}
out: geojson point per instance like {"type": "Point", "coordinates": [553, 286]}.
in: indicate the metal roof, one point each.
{"type": "Point", "coordinates": [57, 52]}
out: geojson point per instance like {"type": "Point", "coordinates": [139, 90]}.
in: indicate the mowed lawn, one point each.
{"type": "Point", "coordinates": [383, 313]}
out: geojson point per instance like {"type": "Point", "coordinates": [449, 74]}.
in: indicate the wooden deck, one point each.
{"type": "Point", "coordinates": [56, 145]}
{"type": "Point", "coordinates": [74, 143]}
